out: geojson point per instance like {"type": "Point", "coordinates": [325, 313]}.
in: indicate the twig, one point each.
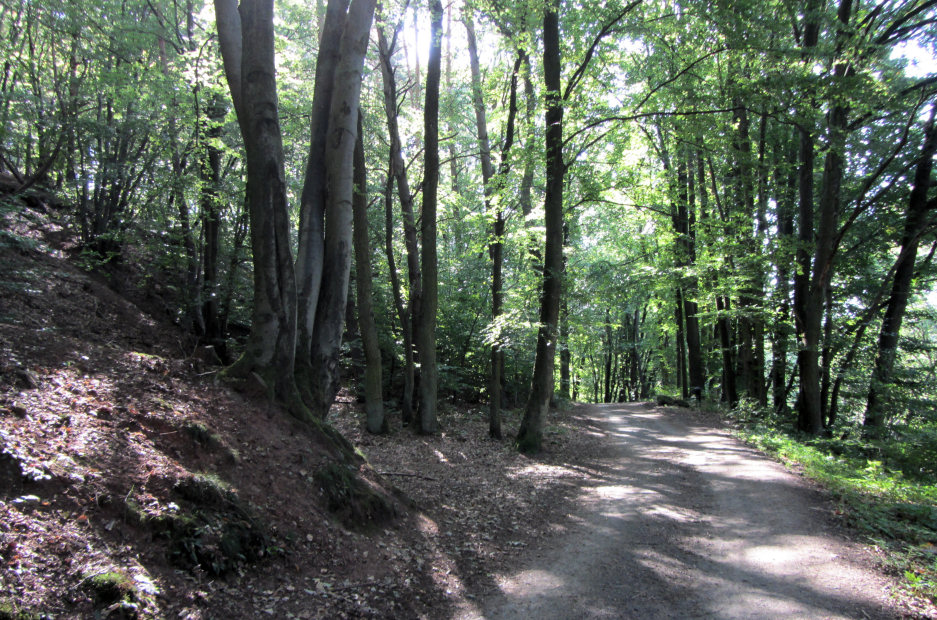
{"type": "Point", "coordinates": [406, 474]}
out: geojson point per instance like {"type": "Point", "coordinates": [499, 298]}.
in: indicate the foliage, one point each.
{"type": "Point", "coordinates": [881, 488]}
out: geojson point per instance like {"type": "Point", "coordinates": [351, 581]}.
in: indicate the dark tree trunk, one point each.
{"type": "Point", "coordinates": [403, 313]}
{"type": "Point", "coordinates": [915, 222]}
{"type": "Point", "coordinates": [399, 170]}
{"type": "Point", "coordinates": [680, 348]}
{"type": "Point", "coordinates": [373, 382]}
{"type": "Point", "coordinates": [426, 334]}
{"type": "Point", "coordinates": [247, 44]}
{"type": "Point", "coordinates": [686, 252]}
{"type": "Point", "coordinates": [210, 178]}
{"type": "Point", "coordinates": [608, 357]}
{"type": "Point", "coordinates": [730, 392]}
{"type": "Point", "coordinates": [813, 293]}
{"type": "Point", "coordinates": [780, 338]}
{"type": "Point", "coordinates": [530, 435]}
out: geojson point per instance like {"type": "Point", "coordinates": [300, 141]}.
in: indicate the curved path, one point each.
{"type": "Point", "coordinates": [684, 521]}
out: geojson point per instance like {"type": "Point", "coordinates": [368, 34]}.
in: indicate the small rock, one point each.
{"type": "Point", "coordinates": [18, 410]}
{"type": "Point", "coordinates": [26, 379]}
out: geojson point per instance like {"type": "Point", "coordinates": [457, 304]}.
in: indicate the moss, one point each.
{"type": "Point", "coordinates": [109, 588]}
{"type": "Point", "coordinates": [10, 611]}
{"type": "Point", "coordinates": [205, 490]}
{"type": "Point", "coordinates": [349, 498]}
{"type": "Point", "coordinates": [213, 528]}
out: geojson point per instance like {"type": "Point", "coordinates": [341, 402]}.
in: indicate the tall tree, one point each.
{"type": "Point", "coordinates": [373, 382]}
{"type": "Point", "coordinates": [916, 220]}
{"type": "Point", "coordinates": [426, 334]}
{"type": "Point", "coordinates": [247, 44]}
{"type": "Point", "coordinates": [530, 434]}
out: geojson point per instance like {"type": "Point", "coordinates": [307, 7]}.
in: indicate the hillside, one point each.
{"type": "Point", "coordinates": [132, 484]}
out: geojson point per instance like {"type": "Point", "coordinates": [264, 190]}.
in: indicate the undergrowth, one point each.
{"type": "Point", "coordinates": [885, 488]}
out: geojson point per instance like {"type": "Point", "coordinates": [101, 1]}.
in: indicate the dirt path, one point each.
{"type": "Point", "coordinates": [683, 521]}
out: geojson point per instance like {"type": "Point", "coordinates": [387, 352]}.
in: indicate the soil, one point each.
{"type": "Point", "coordinates": [127, 469]}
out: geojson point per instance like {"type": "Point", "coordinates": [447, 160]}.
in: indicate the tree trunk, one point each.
{"type": "Point", "coordinates": [492, 203]}
{"type": "Point", "coordinates": [915, 221]}
{"type": "Point", "coordinates": [210, 180]}
{"type": "Point", "coordinates": [530, 434]}
{"type": "Point", "coordinates": [373, 382]}
{"type": "Point", "coordinates": [248, 53]}
{"type": "Point", "coordinates": [403, 313]}
{"type": "Point", "coordinates": [414, 272]}
{"type": "Point", "coordinates": [426, 334]}
{"type": "Point", "coordinates": [686, 250]}
{"type": "Point", "coordinates": [782, 255]}
{"type": "Point", "coordinates": [680, 344]}
{"type": "Point", "coordinates": [339, 165]}
{"type": "Point", "coordinates": [607, 392]}
{"type": "Point", "coordinates": [813, 293]}
{"type": "Point", "coordinates": [730, 392]}
{"type": "Point", "coordinates": [312, 205]}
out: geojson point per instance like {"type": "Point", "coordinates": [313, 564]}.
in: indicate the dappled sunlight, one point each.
{"type": "Point", "coordinates": [684, 521]}
{"type": "Point", "coordinates": [535, 582]}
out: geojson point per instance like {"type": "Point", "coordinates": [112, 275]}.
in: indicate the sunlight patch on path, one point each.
{"type": "Point", "coordinates": [684, 521]}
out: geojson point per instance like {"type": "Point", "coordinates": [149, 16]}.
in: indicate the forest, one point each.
{"type": "Point", "coordinates": [513, 206]}
{"type": "Point", "coordinates": [729, 202]}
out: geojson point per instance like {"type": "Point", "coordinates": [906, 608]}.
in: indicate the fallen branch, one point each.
{"type": "Point", "coordinates": [406, 474]}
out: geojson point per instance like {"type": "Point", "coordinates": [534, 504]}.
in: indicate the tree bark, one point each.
{"type": "Point", "coordinates": [270, 351]}
{"type": "Point", "coordinates": [492, 206]}
{"type": "Point", "coordinates": [403, 313]}
{"type": "Point", "coordinates": [399, 170]}
{"type": "Point", "coordinates": [782, 258]}
{"type": "Point", "coordinates": [210, 180]}
{"type": "Point", "coordinates": [312, 206]}
{"type": "Point", "coordinates": [426, 334]}
{"type": "Point", "coordinates": [806, 314]}
{"type": "Point", "coordinates": [373, 382]}
{"type": "Point", "coordinates": [339, 164]}
{"type": "Point", "coordinates": [530, 434]}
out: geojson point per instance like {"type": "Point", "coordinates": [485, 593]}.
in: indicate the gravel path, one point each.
{"type": "Point", "coordinates": [683, 521]}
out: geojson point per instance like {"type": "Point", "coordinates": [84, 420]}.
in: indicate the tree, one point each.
{"type": "Point", "coordinates": [530, 434]}
{"type": "Point", "coordinates": [426, 332]}
{"type": "Point", "coordinates": [373, 383]}
{"type": "Point", "coordinates": [919, 207]}
{"type": "Point", "coordinates": [247, 46]}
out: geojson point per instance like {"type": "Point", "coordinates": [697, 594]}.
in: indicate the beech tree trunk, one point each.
{"type": "Point", "coordinates": [780, 338]}
{"type": "Point", "coordinates": [686, 251]}
{"type": "Point", "coordinates": [808, 401]}
{"type": "Point", "coordinates": [403, 313]}
{"type": "Point", "coordinates": [339, 159]}
{"type": "Point", "coordinates": [246, 40]}
{"type": "Point", "coordinates": [312, 205]}
{"type": "Point", "coordinates": [492, 204]}
{"type": "Point", "coordinates": [530, 434]}
{"type": "Point", "coordinates": [210, 180]}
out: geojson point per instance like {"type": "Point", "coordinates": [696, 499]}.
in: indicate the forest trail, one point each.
{"type": "Point", "coordinates": [684, 521]}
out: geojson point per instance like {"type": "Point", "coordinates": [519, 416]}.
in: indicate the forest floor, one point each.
{"type": "Point", "coordinates": [133, 484]}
